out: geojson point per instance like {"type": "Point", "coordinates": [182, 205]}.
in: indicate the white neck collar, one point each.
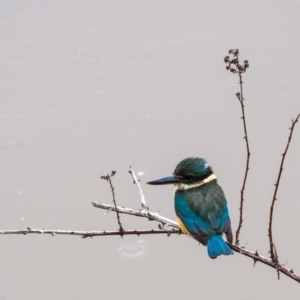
{"type": "Point", "coordinates": [185, 186]}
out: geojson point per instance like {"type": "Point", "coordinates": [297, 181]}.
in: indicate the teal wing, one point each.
{"type": "Point", "coordinates": [197, 227]}
{"type": "Point", "coordinates": [204, 212]}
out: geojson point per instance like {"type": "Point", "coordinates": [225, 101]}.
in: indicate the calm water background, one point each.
{"type": "Point", "coordinates": [92, 86]}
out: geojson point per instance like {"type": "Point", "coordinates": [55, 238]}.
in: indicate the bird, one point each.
{"type": "Point", "coordinates": [200, 205]}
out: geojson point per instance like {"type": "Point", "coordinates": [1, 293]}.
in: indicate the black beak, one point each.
{"type": "Point", "coordinates": [166, 180]}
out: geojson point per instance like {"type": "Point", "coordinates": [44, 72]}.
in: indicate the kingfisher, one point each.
{"type": "Point", "coordinates": [200, 205]}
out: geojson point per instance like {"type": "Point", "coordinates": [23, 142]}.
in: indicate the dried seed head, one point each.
{"type": "Point", "coordinates": [241, 68]}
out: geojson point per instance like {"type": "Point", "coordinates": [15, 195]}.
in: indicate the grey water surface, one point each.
{"type": "Point", "coordinates": [93, 86]}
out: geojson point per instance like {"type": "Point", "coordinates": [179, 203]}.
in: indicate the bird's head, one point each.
{"type": "Point", "coordinates": [188, 171]}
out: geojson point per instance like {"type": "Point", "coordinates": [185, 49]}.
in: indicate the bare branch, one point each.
{"type": "Point", "coordinates": [273, 252]}
{"type": "Point", "coordinates": [137, 182]}
{"type": "Point", "coordinates": [233, 65]}
{"type": "Point", "coordinates": [152, 216]}
{"type": "Point", "coordinates": [138, 213]}
{"type": "Point", "coordinates": [85, 234]}
{"type": "Point", "coordinates": [256, 257]}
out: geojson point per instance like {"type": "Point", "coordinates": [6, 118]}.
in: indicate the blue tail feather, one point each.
{"type": "Point", "coordinates": [216, 246]}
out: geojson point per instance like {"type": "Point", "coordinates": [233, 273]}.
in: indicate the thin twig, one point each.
{"type": "Point", "coordinates": [273, 252]}
{"type": "Point", "coordinates": [137, 182]}
{"type": "Point", "coordinates": [233, 65]}
{"type": "Point", "coordinates": [241, 99]}
{"type": "Point", "coordinates": [108, 178]}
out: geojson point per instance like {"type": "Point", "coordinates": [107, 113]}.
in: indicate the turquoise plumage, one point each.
{"type": "Point", "coordinates": [200, 205]}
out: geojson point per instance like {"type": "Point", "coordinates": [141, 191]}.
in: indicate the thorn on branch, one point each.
{"type": "Point", "coordinates": [244, 246]}
{"type": "Point", "coordinates": [255, 261]}
{"type": "Point", "coordinates": [86, 236]}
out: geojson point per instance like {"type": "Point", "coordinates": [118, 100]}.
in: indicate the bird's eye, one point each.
{"type": "Point", "coordinates": [189, 177]}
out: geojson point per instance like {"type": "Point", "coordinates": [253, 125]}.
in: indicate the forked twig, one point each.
{"type": "Point", "coordinates": [233, 65]}
{"type": "Point", "coordinates": [273, 251]}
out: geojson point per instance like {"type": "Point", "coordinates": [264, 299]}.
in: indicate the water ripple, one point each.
{"type": "Point", "coordinates": [133, 250]}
